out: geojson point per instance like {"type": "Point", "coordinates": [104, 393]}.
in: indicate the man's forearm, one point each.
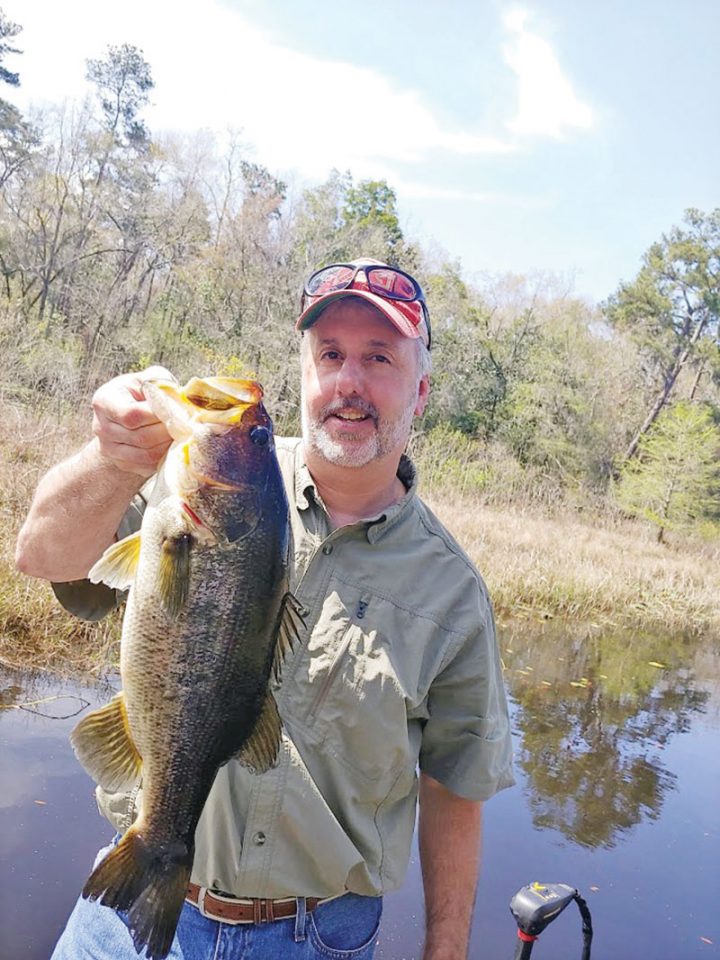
{"type": "Point", "coordinates": [74, 515]}
{"type": "Point", "coordinates": [449, 836]}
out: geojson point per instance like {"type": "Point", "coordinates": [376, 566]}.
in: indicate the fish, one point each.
{"type": "Point", "coordinates": [208, 619]}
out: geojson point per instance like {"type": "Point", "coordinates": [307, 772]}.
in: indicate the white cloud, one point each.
{"type": "Point", "coordinates": [415, 190]}
{"type": "Point", "coordinates": [214, 70]}
{"type": "Point", "coordinates": [547, 104]}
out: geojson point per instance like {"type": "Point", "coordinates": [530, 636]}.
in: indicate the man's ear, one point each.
{"type": "Point", "coordinates": [423, 396]}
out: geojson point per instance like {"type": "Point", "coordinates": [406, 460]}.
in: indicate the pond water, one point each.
{"type": "Point", "coordinates": [618, 769]}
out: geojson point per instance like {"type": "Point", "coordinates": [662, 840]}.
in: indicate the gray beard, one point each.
{"type": "Point", "coordinates": [388, 435]}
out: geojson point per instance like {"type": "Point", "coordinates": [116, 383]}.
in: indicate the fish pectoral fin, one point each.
{"type": "Point", "coordinates": [104, 746]}
{"type": "Point", "coordinates": [118, 565]}
{"type": "Point", "coordinates": [174, 573]}
{"type": "Point", "coordinates": [260, 751]}
{"type": "Point", "coordinates": [290, 622]}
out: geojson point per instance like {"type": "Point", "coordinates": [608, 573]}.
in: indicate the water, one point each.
{"type": "Point", "coordinates": [618, 768]}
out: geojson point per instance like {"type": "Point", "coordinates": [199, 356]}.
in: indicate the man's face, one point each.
{"type": "Point", "coordinates": [360, 385]}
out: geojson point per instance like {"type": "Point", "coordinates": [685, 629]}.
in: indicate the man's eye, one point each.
{"type": "Point", "coordinates": [330, 355]}
{"type": "Point", "coordinates": [380, 358]}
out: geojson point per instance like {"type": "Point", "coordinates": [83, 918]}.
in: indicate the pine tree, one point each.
{"type": "Point", "coordinates": [18, 138]}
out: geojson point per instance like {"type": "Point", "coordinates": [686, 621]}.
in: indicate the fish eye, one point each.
{"type": "Point", "coordinates": [260, 436]}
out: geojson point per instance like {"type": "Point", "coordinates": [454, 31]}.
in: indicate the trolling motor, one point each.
{"type": "Point", "coordinates": [537, 905]}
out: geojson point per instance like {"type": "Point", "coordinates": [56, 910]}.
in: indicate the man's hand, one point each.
{"type": "Point", "coordinates": [79, 503]}
{"type": "Point", "coordinates": [127, 432]}
{"type": "Point", "coordinates": [449, 834]}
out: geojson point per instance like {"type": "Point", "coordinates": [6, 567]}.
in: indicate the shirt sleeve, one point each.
{"type": "Point", "coordinates": [93, 601]}
{"type": "Point", "coordinates": [466, 743]}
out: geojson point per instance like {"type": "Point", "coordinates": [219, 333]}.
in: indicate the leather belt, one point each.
{"type": "Point", "coordinates": [234, 910]}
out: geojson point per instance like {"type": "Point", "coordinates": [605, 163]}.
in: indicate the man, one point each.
{"type": "Point", "coordinates": [398, 666]}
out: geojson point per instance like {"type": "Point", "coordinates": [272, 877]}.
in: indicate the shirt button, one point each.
{"type": "Point", "coordinates": [259, 838]}
{"type": "Point", "coordinates": [327, 549]}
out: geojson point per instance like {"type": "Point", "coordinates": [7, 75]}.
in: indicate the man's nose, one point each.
{"type": "Point", "coordinates": [350, 378]}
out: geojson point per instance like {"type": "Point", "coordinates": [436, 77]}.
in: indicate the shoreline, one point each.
{"type": "Point", "coordinates": [537, 569]}
{"type": "Point", "coordinates": [578, 569]}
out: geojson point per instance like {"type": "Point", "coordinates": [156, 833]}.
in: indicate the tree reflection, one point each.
{"type": "Point", "coordinates": [595, 712]}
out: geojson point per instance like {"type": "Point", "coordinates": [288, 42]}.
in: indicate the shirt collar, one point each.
{"type": "Point", "coordinates": [376, 527]}
{"type": "Point", "coordinates": [304, 483]}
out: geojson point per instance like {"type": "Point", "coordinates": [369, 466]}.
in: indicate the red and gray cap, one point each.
{"type": "Point", "coordinates": [397, 295]}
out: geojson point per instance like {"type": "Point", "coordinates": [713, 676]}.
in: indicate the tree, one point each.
{"type": "Point", "coordinates": [672, 308]}
{"type": "Point", "coordinates": [102, 230]}
{"type": "Point", "coordinates": [675, 478]}
{"type": "Point", "coordinates": [339, 221]}
{"type": "Point", "coordinates": [8, 30]}
{"type": "Point", "coordinates": [123, 79]}
{"type": "Point", "coordinates": [17, 137]}
{"type": "Point", "coordinates": [372, 203]}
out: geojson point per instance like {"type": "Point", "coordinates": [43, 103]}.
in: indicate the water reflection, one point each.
{"type": "Point", "coordinates": [10, 694]}
{"type": "Point", "coordinates": [638, 832]}
{"type": "Point", "coordinates": [595, 712]}
{"type": "Point", "coordinates": [49, 825]}
{"type": "Point", "coordinates": [56, 706]}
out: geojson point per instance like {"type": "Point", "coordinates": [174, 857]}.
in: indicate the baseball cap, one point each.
{"type": "Point", "coordinates": [396, 294]}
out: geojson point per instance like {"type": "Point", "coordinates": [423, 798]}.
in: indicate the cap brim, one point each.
{"type": "Point", "coordinates": [388, 309]}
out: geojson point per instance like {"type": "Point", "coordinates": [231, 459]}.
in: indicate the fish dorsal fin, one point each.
{"type": "Point", "coordinates": [261, 749]}
{"type": "Point", "coordinates": [104, 746]}
{"type": "Point", "coordinates": [117, 566]}
{"type": "Point", "coordinates": [174, 573]}
{"type": "Point", "coordinates": [290, 623]}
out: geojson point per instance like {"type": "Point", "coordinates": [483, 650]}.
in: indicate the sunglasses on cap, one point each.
{"type": "Point", "coordinates": [380, 280]}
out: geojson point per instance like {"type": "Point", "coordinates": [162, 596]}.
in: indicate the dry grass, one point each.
{"type": "Point", "coordinates": [35, 633]}
{"type": "Point", "coordinates": [544, 567]}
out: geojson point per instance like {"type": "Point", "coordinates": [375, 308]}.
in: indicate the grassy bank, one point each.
{"type": "Point", "coordinates": [545, 567]}
{"type": "Point", "coordinates": [537, 567]}
{"type": "Point", "coordinates": [34, 630]}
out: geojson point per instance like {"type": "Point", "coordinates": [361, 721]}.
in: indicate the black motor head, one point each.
{"type": "Point", "coordinates": [537, 905]}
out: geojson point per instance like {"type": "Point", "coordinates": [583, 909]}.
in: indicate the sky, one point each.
{"type": "Point", "coordinates": [552, 135]}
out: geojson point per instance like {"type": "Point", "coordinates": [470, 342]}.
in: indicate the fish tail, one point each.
{"type": "Point", "coordinates": [149, 883]}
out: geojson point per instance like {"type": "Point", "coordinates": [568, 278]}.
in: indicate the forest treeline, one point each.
{"type": "Point", "coordinates": [119, 248]}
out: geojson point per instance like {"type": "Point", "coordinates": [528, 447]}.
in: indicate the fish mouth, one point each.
{"type": "Point", "coordinates": [222, 393]}
{"type": "Point", "coordinates": [219, 401]}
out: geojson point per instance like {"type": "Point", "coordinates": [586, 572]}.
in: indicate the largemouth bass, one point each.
{"type": "Point", "coordinates": [208, 617]}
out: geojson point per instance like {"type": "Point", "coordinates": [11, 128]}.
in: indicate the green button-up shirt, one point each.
{"type": "Point", "coordinates": [397, 669]}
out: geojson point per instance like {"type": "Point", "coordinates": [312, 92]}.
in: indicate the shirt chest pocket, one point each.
{"type": "Point", "coordinates": [346, 696]}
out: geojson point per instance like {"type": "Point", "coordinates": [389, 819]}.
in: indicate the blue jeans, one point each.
{"type": "Point", "coordinates": [342, 929]}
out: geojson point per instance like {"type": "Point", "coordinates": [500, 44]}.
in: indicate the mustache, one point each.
{"type": "Point", "coordinates": [352, 403]}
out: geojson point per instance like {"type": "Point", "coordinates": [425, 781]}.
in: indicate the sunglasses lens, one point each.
{"type": "Point", "coordinates": [390, 283]}
{"type": "Point", "coordinates": [329, 279]}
